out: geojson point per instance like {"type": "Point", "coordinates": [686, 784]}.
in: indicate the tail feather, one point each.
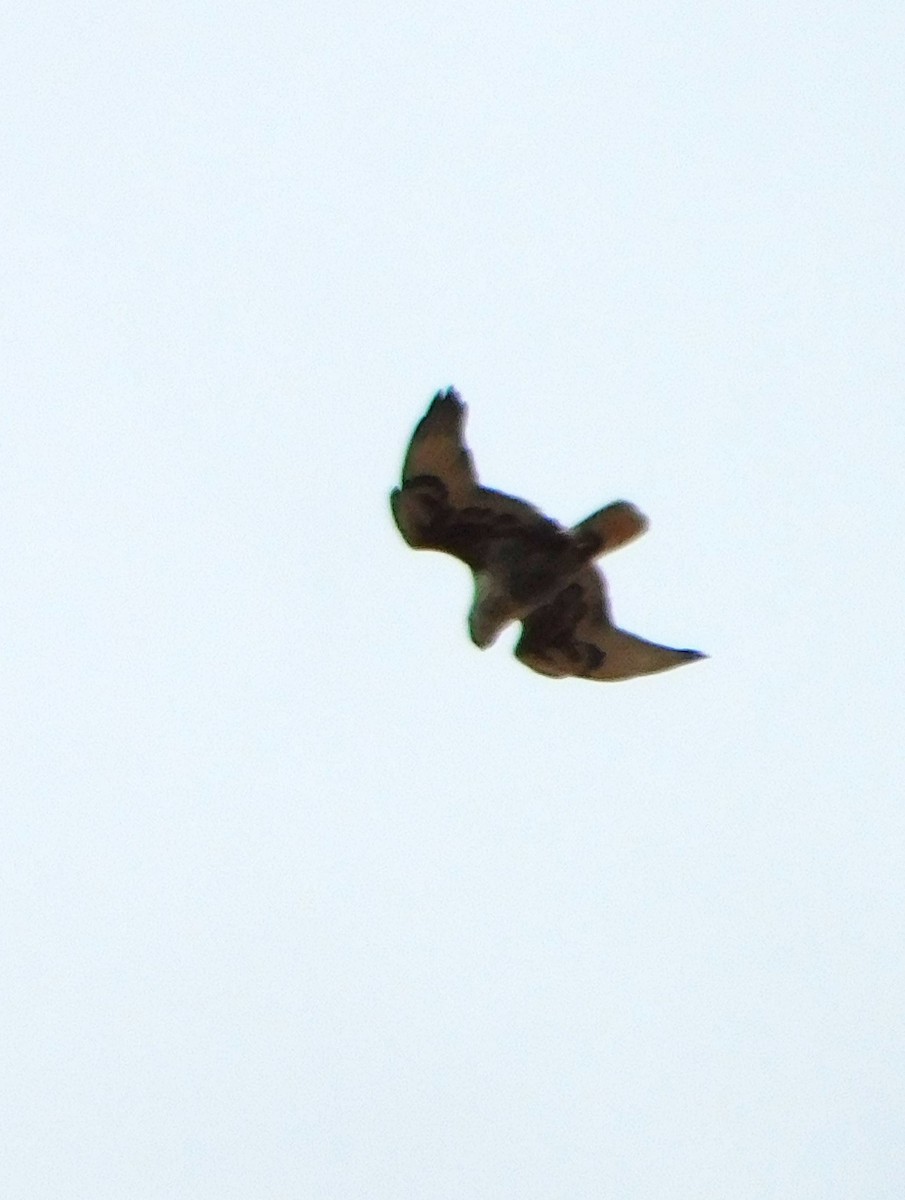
{"type": "Point", "coordinates": [611, 527]}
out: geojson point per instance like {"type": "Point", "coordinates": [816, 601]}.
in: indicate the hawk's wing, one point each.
{"type": "Point", "coordinates": [437, 449]}
{"type": "Point", "coordinates": [441, 505]}
{"type": "Point", "coordinates": [574, 635]}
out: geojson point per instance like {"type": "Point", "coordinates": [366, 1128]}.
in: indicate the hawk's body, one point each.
{"type": "Point", "coordinates": [525, 566]}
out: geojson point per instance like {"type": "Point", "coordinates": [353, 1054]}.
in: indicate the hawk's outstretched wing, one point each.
{"type": "Point", "coordinates": [437, 449]}
{"type": "Point", "coordinates": [574, 634]}
{"type": "Point", "coordinates": [441, 505]}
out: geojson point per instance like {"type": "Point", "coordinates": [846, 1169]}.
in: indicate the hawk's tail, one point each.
{"type": "Point", "coordinates": [611, 527]}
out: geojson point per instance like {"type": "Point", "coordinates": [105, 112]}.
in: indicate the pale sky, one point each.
{"type": "Point", "coordinates": [302, 895]}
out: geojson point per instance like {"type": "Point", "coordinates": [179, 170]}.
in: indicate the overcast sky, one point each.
{"type": "Point", "coordinates": [302, 895]}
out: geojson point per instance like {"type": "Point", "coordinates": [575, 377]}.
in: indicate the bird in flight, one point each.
{"type": "Point", "coordinates": [526, 567]}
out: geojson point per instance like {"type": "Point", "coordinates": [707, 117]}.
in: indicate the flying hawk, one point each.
{"type": "Point", "coordinates": [526, 567]}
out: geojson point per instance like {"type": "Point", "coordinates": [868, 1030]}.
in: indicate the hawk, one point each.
{"type": "Point", "coordinates": [526, 566]}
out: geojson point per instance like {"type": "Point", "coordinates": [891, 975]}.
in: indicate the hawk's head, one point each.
{"type": "Point", "coordinates": [491, 612]}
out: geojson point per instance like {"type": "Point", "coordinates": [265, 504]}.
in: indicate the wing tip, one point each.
{"type": "Point", "coordinates": [445, 415]}
{"type": "Point", "coordinates": [447, 398]}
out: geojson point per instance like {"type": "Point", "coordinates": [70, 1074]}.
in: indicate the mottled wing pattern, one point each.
{"type": "Point", "coordinates": [526, 567]}
{"type": "Point", "coordinates": [574, 635]}
{"type": "Point", "coordinates": [441, 505]}
{"type": "Point", "coordinates": [550, 643]}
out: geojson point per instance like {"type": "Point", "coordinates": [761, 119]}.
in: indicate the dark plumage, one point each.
{"type": "Point", "coordinates": [574, 634]}
{"type": "Point", "coordinates": [526, 567]}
